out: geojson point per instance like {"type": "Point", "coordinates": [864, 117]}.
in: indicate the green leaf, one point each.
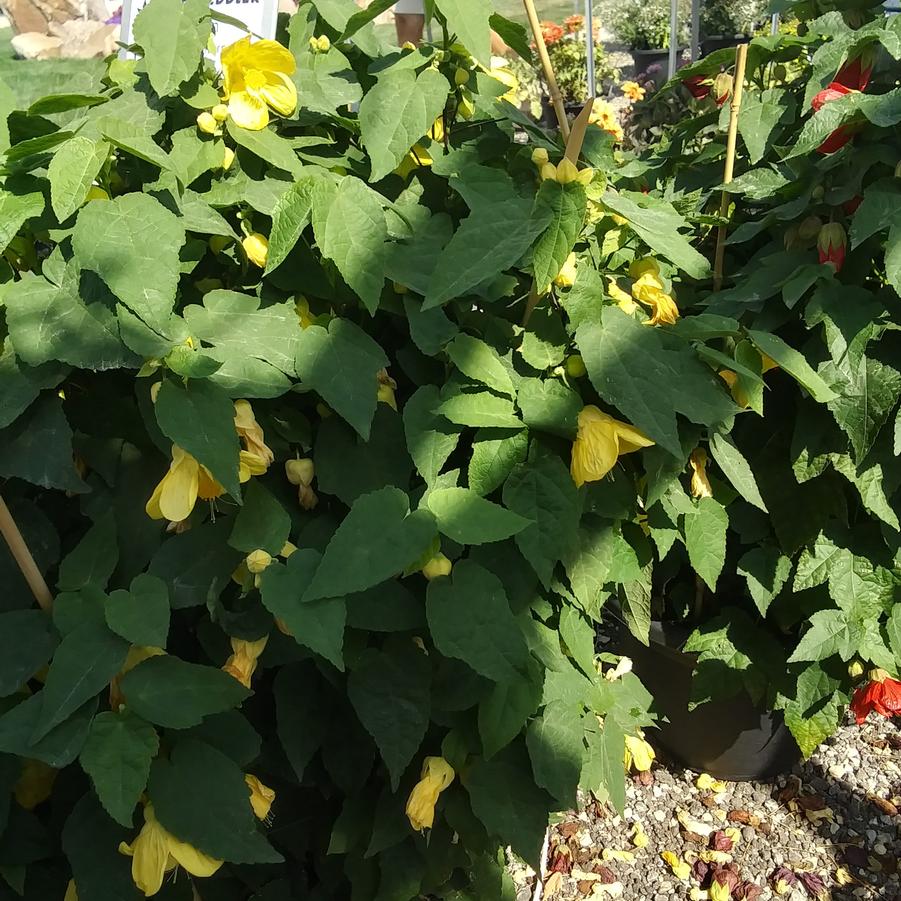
{"type": "Point", "coordinates": [141, 614]}
{"type": "Point", "coordinates": [506, 708]}
{"type": "Point", "coordinates": [481, 362]}
{"type": "Point", "coordinates": [176, 694]}
{"type": "Point", "coordinates": [317, 625]}
{"type": "Point", "coordinates": [766, 570]}
{"type": "Point", "coordinates": [549, 406]}
{"type": "Point", "coordinates": [737, 470]}
{"type": "Point", "coordinates": [20, 384]}
{"type": "Point", "coordinates": [504, 796]}
{"type": "Point", "coordinates": [544, 493]}
{"type": "Point", "coordinates": [705, 539]}
{"type": "Point", "coordinates": [200, 418]}
{"type": "Point", "coordinates": [342, 365]}
{"type": "Point", "coordinates": [133, 138]}
{"type": "Point", "coordinates": [267, 145]}
{"type": "Point", "coordinates": [15, 211]}
{"type": "Point", "coordinates": [480, 409]}
{"type": "Point", "coordinates": [379, 538]}
{"type": "Point", "coordinates": [811, 730]}
{"type": "Point", "coordinates": [290, 217]}
{"type": "Point", "coordinates": [545, 340]}
{"type": "Point", "coordinates": [470, 620]}
{"type": "Point", "coordinates": [671, 378]}
{"type": "Point", "coordinates": [47, 322]}
{"type": "Point", "coordinates": [85, 661]}
{"type": "Point", "coordinates": [59, 747]}
{"type": "Point", "coordinates": [555, 747]}
{"type": "Point", "coordinates": [389, 691]}
{"type": "Point", "coordinates": [117, 756]}
{"type": "Point", "coordinates": [302, 713]}
{"type": "Point", "coordinates": [201, 797]}
{"type": "Point", "coordinates": [26, 642]}
{"type": "Point", "coordinates": [132, 243]}
{"type": "Point", "coordinates": [72, 172]}
{"type": "Point", "coordinates": [429, 438]}
{"type": "Point", "coordinates": [93, 560]}
{"type": "Point", "coordinates": [173, 35]}
{"type": "Point", "coordinates": [262, 522]}
{"type": "Point", "coordinates": [656, 222]}
{"type": "Point", "coordinates": [396, 112]}
{"type": "Point", "coordinates": [893, 629]}
{"type": "Point", "coordinates": [565, 206]}
{"type": "Point", "coordinates": [350, 229]}
{"type": "Point", "coordinates": [467, 518]}
{"type": "Point", "coordinates": [491, 239]}
{"type": "Point", "coordinates": [468, 19]}
{"type": "Point", "coordinates": [495, 453]}
{"type": "Point", "coordinates": [793, 363]}
{"type": "Point", "coordinates": [756, 121]}
{"type": "Point", "coordinates": [829, 634]}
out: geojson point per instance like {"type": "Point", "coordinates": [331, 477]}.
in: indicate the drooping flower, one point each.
{"type": "Point", "coordinates": [700, 483]}
{"type": "Point", "coordinates": [648, 289]}
{"type": "Point", "coordinates": [242, 663]}
{"type": "Point", "coordinates": [722, 88]}
{"type": "Point", "coordinates": [438, 567]}
{"type": "Point", "coordinates": [622, 668]}
{"type": "Point", "coordinates": [155, 852]}
{"type": "Point", "coordinates": [841, 135]}
{"type": "Point", "coordinates": [698, 86]}
{"type": "Point", "coordinates": [881, 693]}
{"type": "Point", "coordinates": [386, 389]}
{"type": "Point", "coordinates": [176, 494]}
{"type": "Point", "coordinates": [600, 441]}
{"type": "Point", "coordinates": [638, 754]}
{"type": "Point", "coordinates": [633, 90]}
{"type": "Point", "coordinates": [261, 796]}
{"type": "Point", "coordinates": [251, 433]}
{"type": "Point", "coordinates": [256, 246]}
{"type": "Point", "coordinates": [832, 244]}
{"type": "Point", "coordinates": [437, 774]}
{"type": "Point", "coordinates": [855, 73]}
{"type": "Point", "coordinates": [623, 300]}
{"type": "Point", "coordinates": [257, 78]}
{"type": "Point", "coordinates": [566, 277]}
{"type": "Point", "coordinates": [301, 474]}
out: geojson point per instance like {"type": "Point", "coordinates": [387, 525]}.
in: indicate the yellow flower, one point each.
{"type": "Point", "coordinates": [566, 277]}
{"type": "Point", "coordinates": [228, 157]}
{"type": "Point", "coordinates": [35, 783]}
{"type": "Point", "coordinates": [257, 77]}
{"type": "Point", "coordinates": [261, 797]}
{"type": "Point", "coordinates": [250, 464]}
{"type": "Point", "coordinates": [638, 754]}
{"type": "Point", "coordinates": [251, 433]}
{"type": "Point", "coordinates": [386, 389]}
{"type": "Point", "coordinates": [633, 90]}
{"type": "Point", "coordinates": [681, 870]}
{"type": "Point", "coordinates": [600, 441]}
{"type": "Point", "coordinates": [700, 483]}
{"type": "Point", "coordinates": [242, 663]}
{"type": "Point", "coordinates": [639, 836]}
{"type": "Point", "coordinates": [437, 567]}
{"type": "Point", "coordinates": [95, 192]}
{"type": "Point", "coordinates": [648, 289]}
{"type": "Point", "coordinates": [71, 891]}
{"type": "Point", "coordinates": [417, 157]}
{"type": "Point", "coordinates": [302, 308]}
{"type": "Point", "coordinates": [256, 246]}
{"type": "Point", "coordinates": [256, 561]}
{"type": "Point", "coordinates": [642, 267]}
{"type": "Point", "coordinates": [219, 112]}
{"type": "Point", "coordinates": [176, 494]}
{"type": "Point", "coordinates": [500, 71]}
{"type": "Point", "coordinates": [207, 123]}
{"type": "Point", "coordinates": [604, 116]}
{"type": "Point", "coordinates": [437, 775]}
{"type": "Point", "coordinates": [156, 851]}
{"type": "Point", "coordinates": [623, 300]}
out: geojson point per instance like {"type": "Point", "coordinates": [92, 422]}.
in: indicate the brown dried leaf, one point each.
{"type": "Point", "coordinates": [884, 806]}
{"type": "Point", "coordinates": [568, 830]}
{"type": "Point", "coordinates": [553, 884]}
{"type": "Point", "coordinates": [746, 818]}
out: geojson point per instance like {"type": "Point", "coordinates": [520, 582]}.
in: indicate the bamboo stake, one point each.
{"type": "Point", "coordinates": [22, 556]}
{"type": "Point", "coordinates": [741, 56]}
{"type": "Point", "coordinates": [553, 89]}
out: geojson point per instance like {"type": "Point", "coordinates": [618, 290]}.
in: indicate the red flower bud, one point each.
{"type": "Point", "coordinates": [881, 693]}
{"type": "Point", "coordinates": [698, 86]}
{"type": "Point", "coordinates": [850, 206]}
{"type": "Point", "coordinates": [831, 245]}
{"type": "Point", "coordinates": [722, 88]}
{"type": "Point", "coordinates": [855, 73]}
{"type": "Point", "coordinates": [843, 133]}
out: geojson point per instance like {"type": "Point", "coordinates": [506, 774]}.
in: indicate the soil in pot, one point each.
{"type": "Point", "coordinates": [733, 739]}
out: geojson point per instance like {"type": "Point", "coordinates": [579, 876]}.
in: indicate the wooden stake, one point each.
{"type": "Point", "coordinates": [553, 89]}
{"type": "Point", "coordinates": [22, 556]}
{"type": "Point", "coordinates": [738, 83]}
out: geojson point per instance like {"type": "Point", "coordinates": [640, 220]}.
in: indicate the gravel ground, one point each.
{"type": "Point", "coordinates": [833, 822]}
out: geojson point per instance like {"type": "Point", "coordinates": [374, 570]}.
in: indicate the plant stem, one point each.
{"type": "Point", "coordinates": [23, 557]}
{"type": "Point", "coordinates": [741, 56]}
{"type": "Point", "coordinates": [553, 89]}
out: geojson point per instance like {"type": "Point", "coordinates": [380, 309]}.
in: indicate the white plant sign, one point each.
{"type": "Point", "coordinates": [257, 16]}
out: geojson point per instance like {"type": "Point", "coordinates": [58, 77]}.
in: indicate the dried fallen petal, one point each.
{"type": "Point", "coordinates": [747, 891]}
{"type": "Point", "coordinates": [887, 807]}
{"type": "Point", "coordinates": [553, 884]}
{"type": "Point", "coordinates": [639, 837]}
{"type": "Point", "coordinates": [690, 824]}
{"type": "Point", "coordinates": [716, 856]}
{"type": "Point", "coordinates": [615, 854]}
{"type": "Point", "coordinates": [681, 869]}
{"type": "Point", "coordinates": [734, 834]}
{"type": "Point", "coordinates": [612, 889]}
{"type": "Point", "coordinates": [607, 875]}
{"type": "Point", "coordinates": [843, 876]}
{"type": "Point", "coordinates": [719, 841]}
{"type": "Point", "coordinates": [815, 885]}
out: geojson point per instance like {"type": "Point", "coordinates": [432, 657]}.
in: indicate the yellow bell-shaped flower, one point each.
{"type": "Point", "coordinates": [257, 78]}
{"type": "Point", "coordinates": [638, 754]}
{"type": "Point", "coordinates": [437, 775]}
{"type": "Point", "coordinates": [600, 441]}
{"type": "Point", "coordinates": [251, 434]}
{"type": "Point", "coordinates": [700, 483]}
{"type": "Point", "coordinates": [242, 663]}
{"type": "Point", "coordinates": [176, 494]}
{"type": "Point", "coordinates": [566, 277]}
{"type": "Point", "coordinates": [261, 796]}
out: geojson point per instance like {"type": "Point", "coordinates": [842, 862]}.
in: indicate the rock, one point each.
{"type": "Point", "coordinates": [748, 833]}
{"type": "Point", "coordinates": [34, 45]}
{"type": "Point", "coordinates": [85, 39]}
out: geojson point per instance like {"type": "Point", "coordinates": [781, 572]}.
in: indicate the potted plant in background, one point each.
{"type": "Point", "coordinates": [725, 23]}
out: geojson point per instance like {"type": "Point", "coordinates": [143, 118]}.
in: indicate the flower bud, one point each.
{"type": "Point", "coordinates": [585, 176]}
{"type": "Point", "coordinates": [855, 669]}
{"type": "Point", "coordinates": [408, 45]}
{"type": "Point", "coordinates": [154, 391]}
{"type": "Point", "coordinates": [722, 88]}
{"type": "Point", "coordinates": [324, 44]}
{"type": "Point", "coordinates": [898, 169]}
{"type": "Point", "coordinates": [228, 157]}
{"type": "Point", "coordinates": [467, 108]}
{"type": "Point", "coordinates": [256, 561]}
{"type": "Point", "coordinates": [437, 567]}
{"type": "Point", "coordinates": [95, 192]}
{"type": "Point", "coordinates": [567, 172]}
{"type": "Point", "coordinates": [548, 172]}
{"type": "Point", "coordinates": [832, 243]}
{"type": "Point", "coordinates": [300, 472]}
{"type": "Point", "coordinates": [539, 156]}
{"type": "Point", "coordinates": [256, 246]}
{"type": "Point", "coordinates": [461, 77]}
{"type": "Point", "coordinates": [818, 193]}
{"type": "Point", "coordinates": [575, 366]}
{"type": "Point", "coordinates": [219, 112]}
{"type": "Point", "coordinates": [206, 123]}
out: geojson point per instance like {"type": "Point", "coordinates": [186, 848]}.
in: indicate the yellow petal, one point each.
{"type": "Point", "coordinates": [642, 267]}
{"type": "Point", "coordinates": [247, 111]}
{"type": "Point", "coordinates": [700, 487]}
{"type": "Point", "coordinates": [280, 93]}
{"type": "Point", "coordinates": [261, 796]}
{"type": "Point", "coordinates": [179, 486]}
{"type": "Point", "coordinates": [595, 449]}
{"type": "Point", "coordinates": [681, 870]}
{"type": "Point", "coordinates": [437, 775]}
{"type": "Point", "coordinates": [149, 854]}
{"type": "Point", "coordinates": [71, 891]}
{"type": "Point", "coordinates": [234, 59]}
{"type": "Point", "coordinates": [189, 858]}
{"type": "Point", "coordinates": [270, 56]}
{"type": "Point", "coordinates": [566, 277]}
{"type": "Point", "coordinates": [629, 438]}
{"type": "Point", "coordinates": [615, 854]}
{"type": "Point", "coordinates": [207, 487]}
{"type": "Point", "coordinates": [647, 287]}
{"type": "Point", "coordinates": [641, 752]}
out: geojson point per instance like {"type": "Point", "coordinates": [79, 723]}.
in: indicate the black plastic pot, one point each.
{"type": "Point", "coordinates": [732, 739]}
{"type": "Point", "coordinates": [721, 41]}
{"type": "Point", "coordinates": [645, 59]}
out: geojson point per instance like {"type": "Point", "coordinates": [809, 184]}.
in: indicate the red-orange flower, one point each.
{"type": "Point", "coordinates": [881, 693]}
{"type": "Point", "coordinates": [698, 86]}
{"type": "Point", "coordinates": [843, 133]}
{"type": "Point", "coordinates": [832, 243]}
{"type": "Point", "coordinates": [572, 24]}
{"type": "Point", "coordinates": [855, 73]}
{"type": "Point", "coordinates": [551, 32]}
